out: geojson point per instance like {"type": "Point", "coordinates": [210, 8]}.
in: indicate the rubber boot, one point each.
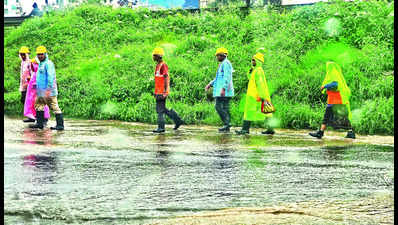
{"type": "Point", "coordinates": [161, 124]}
{"type": "Point", "coordinates": [226, 120]}
{"type": "Point", "coordinates": [45, 122]}
{"type": "Point", "coordinates": [268, 131]}
{"type": "Point", "coordinates": [350, 134]}
{"type": "Point", "coordinates": [39, 120]}
{"type": "Point", "coordinates": [28, 120]}
{"type": "Point", "coordinates": [160, 129]}
{"type": "Point", "coordinates": [318, 134]}
{"type": "Point", "coordinates": [177, 120]}
{"type": "Point", "coordinates": [60, 122]}
{"type": "Point", "coordinates": [225, 128]}
{"type": "Point", "coordinates": [245, 128]}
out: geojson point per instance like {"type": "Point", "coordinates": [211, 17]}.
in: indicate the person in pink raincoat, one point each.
{"type": "Point", "coordinates": [29, 107]}
{"type": "Point", "coordinates": [25, 74]}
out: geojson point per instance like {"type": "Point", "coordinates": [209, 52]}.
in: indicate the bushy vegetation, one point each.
{"type": "Point", "coordinates": [105, 70]}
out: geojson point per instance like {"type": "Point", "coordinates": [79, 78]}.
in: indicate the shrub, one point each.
{"type": "Point", "coordinates": [105, 71]}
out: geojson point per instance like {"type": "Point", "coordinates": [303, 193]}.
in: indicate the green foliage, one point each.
{"type": "Point", "coordinates": [105, 70]}
{"type": "Point", "coordinates": [376, 116]}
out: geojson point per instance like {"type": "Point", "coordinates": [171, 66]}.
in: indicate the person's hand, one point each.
{"type": "Point", "coordinates": [207, 87]}
{"type": "Point", "coordinates": [322, 88]}
{"type": "Point", "coordinates": [222, 92]}
{"type": "Point", "coordinates": [47, 94]}
{"type": "Point", "coordinates": [258, 99]}
{"type": "Point", "coordinates": [165, 95]}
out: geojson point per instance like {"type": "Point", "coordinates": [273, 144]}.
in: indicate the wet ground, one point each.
{"type": "Point", "coordinates": [110, 172]}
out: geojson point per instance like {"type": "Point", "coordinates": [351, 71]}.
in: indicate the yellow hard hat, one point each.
{"type": "Point", "coordinates": [24, 49]}
{"type": "Point", "coordinates": [158, 51]}
{"type": "Point", "coordinates": [222, 50]}
{"type": "Point", "coordinates": [41, 50]}
{"type": "Point", "coordinates": [33, 61]}
{"type": "Point", "coordinates": [259, 56]}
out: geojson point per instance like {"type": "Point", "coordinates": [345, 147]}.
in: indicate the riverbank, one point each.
{"type": "Point", "coordinates": [377, 209]}
{"type": "Point", "coordinates": [104, 66]}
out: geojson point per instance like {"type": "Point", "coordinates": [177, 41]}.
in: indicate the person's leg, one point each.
{"type": "Point", "coordinates": [161, 123]}
{"type": "Point", "coordinates": [270, 129]}
{"type": "Point", "coordinates": [53, 105]}
{"type": "Point", "coordinates": [245, 128]}
{"type": "Point", "coordinates": [26, 107]}
{"type": "Point", "coordinates": [350, 133]}
{"type": "Point", "coordinates": [160, 110]}
{"type": "Point", "coordinates": [219, 108]}
{"type": "Point", "coordinates": [39, 106]}
{"type": "Point", "coordinates": [174, 116]}
{"type": "Point", "coordinates": [326, 120]}
{"type": "Point", "coordinates": [226, 114]}
{"type": "Point", "coordinates": [23, 97]}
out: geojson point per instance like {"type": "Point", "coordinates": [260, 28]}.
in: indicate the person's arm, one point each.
{"type": "Point", "coordinates": [164, 71]}
{"type": "Point", "coordinates": [331, 85]}
{"type": "Point", "coordinates": [212, 82]}
{"type": "Point", "coordinates": [249, 73]}
{"type": "Point", "coordinates": [50, 69]}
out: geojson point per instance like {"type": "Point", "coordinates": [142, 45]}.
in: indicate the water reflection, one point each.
{"type": "Point", "coordinates": [224, 178]}
{"type": "Point", "coordinates": [223, 139]}
{"type": "Point", "coordinates": [40, 137]}
{"type": "Point", "coordinates": [41, 170]}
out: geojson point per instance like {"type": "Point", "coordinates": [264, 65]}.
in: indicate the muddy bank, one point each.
{"type": "Point", "coordinates": [377, 209]}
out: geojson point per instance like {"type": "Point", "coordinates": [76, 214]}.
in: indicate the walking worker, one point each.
{"type": "Point", "coordinates": [29, 109]}
{"type": "Point", "coordinates": [223, 88]}
{"type": "Point", "coordinates": [46, 87]}
{"type": "Point", "coordinates": [338, 98]}
{"type": "Point", "coordinates": [25, 75]}
{"type": "Point", "coordinates": [257, 91]}
{"type": "Point", "coordinates": [162, 89]}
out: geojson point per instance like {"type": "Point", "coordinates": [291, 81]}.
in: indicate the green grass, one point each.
{"type": "Point", "coordinates": [105, 70]}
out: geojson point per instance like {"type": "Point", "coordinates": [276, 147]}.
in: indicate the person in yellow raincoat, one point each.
{"type": "Point", "coordinates": [257, 91]}
{"type": "Point", "coordinates": [338, 102]}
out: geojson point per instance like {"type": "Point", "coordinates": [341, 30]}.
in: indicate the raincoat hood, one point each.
{"type": "Point", "coordinates": [333, 73]}
{"type": "Point", "coordinates": [26, 59]}
{"type": "Point", "coordinates": [257, 89]}
{"type": "Point", "coordinates": [258, 63]}
{"type": "Point", "coordinates": [38, 61]}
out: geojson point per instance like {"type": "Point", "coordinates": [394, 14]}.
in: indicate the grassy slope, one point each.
{"type": "Point", "coordinates": [105, 71]}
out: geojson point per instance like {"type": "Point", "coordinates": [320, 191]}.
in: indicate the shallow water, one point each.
{"type": "Point", "coordinates": [102, 172]}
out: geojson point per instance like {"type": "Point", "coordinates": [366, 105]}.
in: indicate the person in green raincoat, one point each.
{"type": "Point", "coordinates": [257, 91]}
{"type": "Point", "coordinates": [338, 102]}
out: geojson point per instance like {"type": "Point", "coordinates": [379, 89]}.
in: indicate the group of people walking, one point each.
{"type": "Point", "coordinates": [38, 87]}
{"type": "Point", "coordinates": [38, 84]}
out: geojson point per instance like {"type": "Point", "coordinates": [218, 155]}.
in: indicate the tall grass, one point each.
{"type": "Point", "coordinates": [105, 70]}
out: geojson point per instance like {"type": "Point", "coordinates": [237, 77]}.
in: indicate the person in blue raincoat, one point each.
{"type": "Point", "coordinates": [223, 89]}
{"type": "Point", "coordinates": [47, 91]}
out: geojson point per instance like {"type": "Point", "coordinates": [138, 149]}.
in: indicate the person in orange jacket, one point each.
{"type": "Point", "coordinates": [338, 98]}
{"type": "Point", "coordinates": [162, 89]}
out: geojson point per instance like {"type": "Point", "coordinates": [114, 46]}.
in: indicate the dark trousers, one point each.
{"type": "Point", "coordinates": [336, 116]}
{"type": "Point", "coordinates": [222, 108]}
{"type": "Point", "coordinates": [23, 96]}
{"type": "Point", "coordinates": [161, 110]}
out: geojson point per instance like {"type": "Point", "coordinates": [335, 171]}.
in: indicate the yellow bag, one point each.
{"type": "Point", "coordinates": [267, 107]}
